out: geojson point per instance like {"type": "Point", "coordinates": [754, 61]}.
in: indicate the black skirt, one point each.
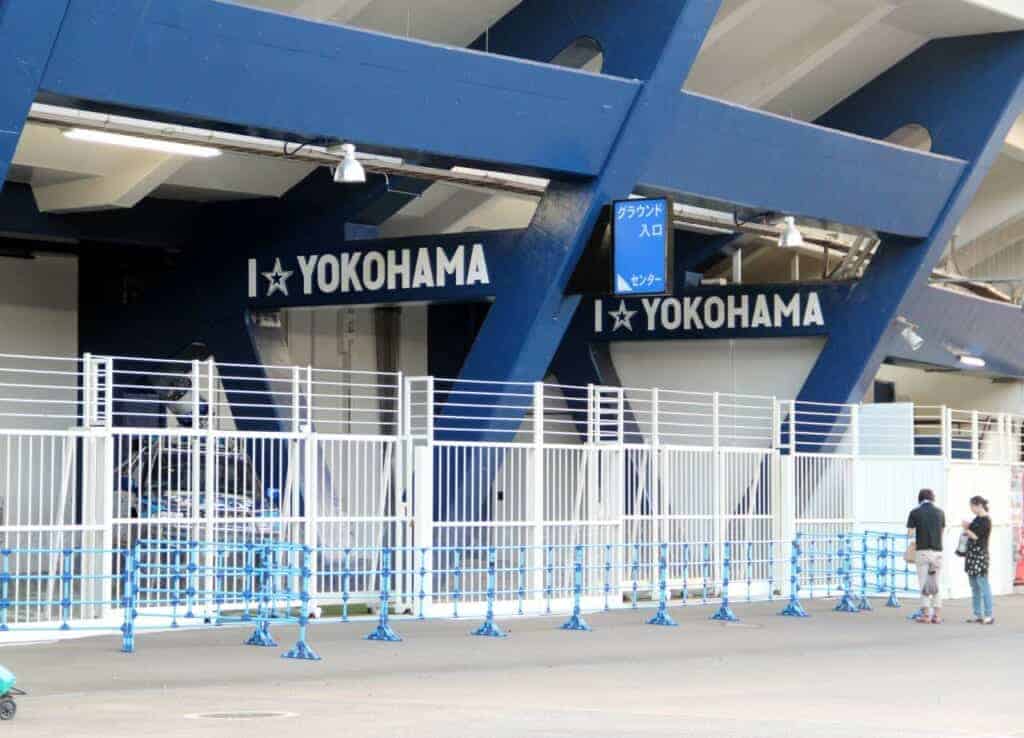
{"type": "Point", "coordinates": [976, 562]}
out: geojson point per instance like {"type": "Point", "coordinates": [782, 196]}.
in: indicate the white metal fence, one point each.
{"type": "Point", "coordinates": [102, 452]}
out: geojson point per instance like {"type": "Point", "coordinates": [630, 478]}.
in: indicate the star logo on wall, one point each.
{"type": "Point", "coordinates": [277, 279]}
{"type": "Point", "coordinates": [623, 318]}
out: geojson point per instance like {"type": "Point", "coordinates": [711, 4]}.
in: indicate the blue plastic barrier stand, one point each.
{"type": "Point", "coordinates": [457, 588]}
{"type": "Point", "coordinates": [521, 594]}
{"type": "Point", "coordinates": [65, 590]}
{"type": "Point", "coordinates": [489, 628]}
{"type": "Point", "coordinates": [771, 571]}
{"type": "Point", "coordinates": [919, 612]}
{"type": "Point", "coordinates": [129, 599]}
{"type": "Point", "coordinates": [724, 612]}
{"type": "Point", "coordinates": [707, 571]}
{"type": "Point", "coordinates": [345, 593]}
{"type": "Point", "coordinates": [846, 604]}
{"type": "Point", "coordinates": [607, 576]}
{"type": "Point", "coordinates": [249, 577]}
{"type": "Point", "coordinates": [662, 617]}
{"type": "Point", "coordinates": [893, 601]}
{"type": "Point", "coordinates": [686, 570]}
{"type": "Point", "coordinates": [794, 609]}
{"type": "Point", "coordinates": [863, 603]}
{"type": "Point", "coordinates": [812, 561]}
{"type": "Point", "coordinates": [750, 568]}
{"type": "Point", "coordinates": [191, 580]}
{"type": "Point", "coordinates": [635, 573]}
{"type": "Point", "coordinates": [576, 621]}
{"type": "Point", "coordinates": [301, 650]}
{"type": "Point", "coordinates": [5, 581]}
{"type": "Point", "coordinates": [219, 585]}
{"type": "Point", "coordinates": [174, 583]}
{"type": "Point", "coordinates": [423, 581]}
{"type": "Point", "coordinates": [549, 578]}
{"type": "Point", "coordinates": [383, 631]}
{"type": "Point", "coordinates": [261, 635]}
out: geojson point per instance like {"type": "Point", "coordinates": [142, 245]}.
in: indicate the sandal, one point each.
{"type": "Point", "coordinates": [936, 621]}
{"type": "Point", "coordinates": [924, 619]}
{"type": "Point", "coordinates": [976, 621]}
{"type": "Point", "coordinates": [988, 621]}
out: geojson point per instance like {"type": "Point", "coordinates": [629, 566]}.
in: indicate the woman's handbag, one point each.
{"type": "Point", "coordinates": [910, 555]}
{"type": "Point", "coordinates": [962, 544]}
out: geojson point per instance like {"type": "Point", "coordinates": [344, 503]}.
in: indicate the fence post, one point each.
{"type": "Point", "coordinates": [5, 584]}
{"type": "Point", "coordinates": [128, 600]}
{"type": "Point", "coordinates": [724, 612]}
{"type": "Point", "coordinates": [947, 433]}
{"type": "Point", "coordinates": [535, 490]}
{"type": "Point", "coordinates": [863, 603]}
{"type": "Point", "coordinates": [662, 617]}
{"type": "Point", "coordinates": [893, 601]}
{"type": "Point", "coordinates": [301, 649]}
{"type": "Point", "coordinates": [576, 621]}
{"type": "Point", "coordinates": [209, 466]}
{"type": "Point", "coordinates": [423, 521]}
{"type": "Point", "coordinates": [794, 609]}
{"type": "Point", "coordinates": [310, 487]}
{"type": "Point", "coordinates": [383, 631]}
{"type": "Point", "coordinates": [607, 576]}
{"type": "Point", "coordinates": [489, 627]}
{"type": "Point", "coordinates": [846, 604]}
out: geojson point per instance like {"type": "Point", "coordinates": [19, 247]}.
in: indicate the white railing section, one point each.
{"type": "Point", "coordinates": [100, 452]}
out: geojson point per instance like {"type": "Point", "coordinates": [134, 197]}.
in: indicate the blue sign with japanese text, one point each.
{"type": "Point", "coordinates": [642, 237]}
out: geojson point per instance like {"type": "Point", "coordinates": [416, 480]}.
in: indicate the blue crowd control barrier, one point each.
{"type": "Point", "coordinates": [724, 612]}
{"type": "Point", "coordinates": [794, 608]}
{"type": "Point", "coordinates": [662, 617]}
{"type": "Point", "coordinates": [576, 621]}
{"type": "Point", "coordinates": [383, 631]}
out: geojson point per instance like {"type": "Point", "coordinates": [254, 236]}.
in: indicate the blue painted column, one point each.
{"type": "Point", "coordinates": [967, 92]}
{"type": "Point", "coordinates": [520, 336]}
{"type": "Point", "coordinates": [28, 29]}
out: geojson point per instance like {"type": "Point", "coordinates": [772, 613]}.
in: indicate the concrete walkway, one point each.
{"type": "Point", "coordinates": [869, 674]}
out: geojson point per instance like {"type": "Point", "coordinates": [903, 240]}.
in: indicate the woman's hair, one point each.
{"type": "Point", "coordinates": [979, 500]}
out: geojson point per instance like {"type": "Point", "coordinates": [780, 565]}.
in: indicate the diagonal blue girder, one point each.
{"type": "Point", "coordinates": [28, 29]}
{"type": "Point", "coordinates": [967, 92]}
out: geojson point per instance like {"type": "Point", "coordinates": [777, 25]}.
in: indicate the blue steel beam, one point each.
{"type": "Point", "coordinates": [519, 337]}
{"type": "Point", "coordinates": [28, 29]}
{"type": "Point", "coordinates": [794, 167]}
{"type": "Point", "coordinates": [967, 92]}
{"type": "Point", "coordinates": [219, 63]}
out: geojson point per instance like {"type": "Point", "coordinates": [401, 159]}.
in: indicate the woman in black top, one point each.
{"type": "Point", "coordinates": [976, 563]}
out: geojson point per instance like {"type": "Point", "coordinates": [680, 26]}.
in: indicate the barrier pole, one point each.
{"type": "Point", "coordinates": [128, 600]}
{"type": "Point", "coordinates": [65, 590]}
{"type": "Point", "coordinates": [5, 581]}
{"type": "Point", "coordinates": [607, 576]}
{"type": "Point", "coordinates": [383, 631]}
{"type": "Point", "coordinates": [635, 573]}
{"type": "Point", "coordinates": [576, 621]}
{"type": "Point", "coordinates": [174, 583]}
{"type": "Point", "coordinates": [863, 603]}
{"type": "Point", "coordinates": [662, 617]}
{"type": "Point", "coordinates": [192, 569]}
{"type": "Point", "coordinates": [423, 580]}
{"type": "Point", "coordinates": [846, 604]}
{"type": "Point", "coordinates": [750, 568]}
{"type": "Point", "coordinates": [301, 649]}
{"type": "Point", "coordinates": [249, 575]}
{"type": "Point", "coordinates": [794, 609]}
{"type": "Point", "coordinates": [706, 570]}
{"type": "Point", "coordinates": [346, 574]}
{"type": "Point", "coordinates": [893, 601]}
{"type": "Point", "coordinates": [522, 578]}
{"type": "Point", "coordinates": [261, 635]}
{"type": "Point", "coordinates": [457, 589]}
{"type": "Point", "coordinates": [812, 560]}
{"type": "Point", "coordinates": [724, 612]}
{"type": "Point", "coordinates": [489, 628]}
{"type": "Point", "coordinates": [549, 579]}
{"type": "Point", "coordinates": [686, 570]}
